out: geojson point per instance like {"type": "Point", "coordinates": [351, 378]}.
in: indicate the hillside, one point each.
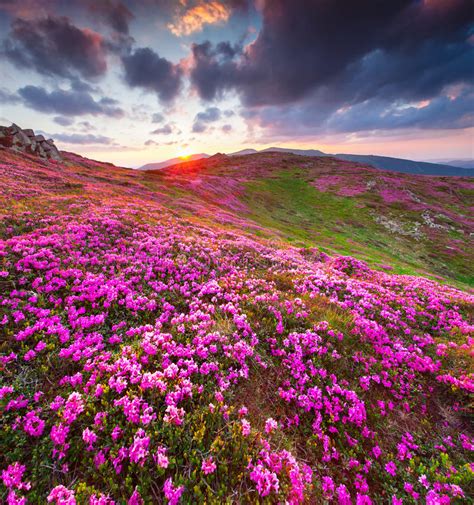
{"type": "Point", "coordinates": [340, 207]}
{"type": "Point", "coordinates": [461, 163]}
{"type": "Point", "coordinates": [408, 166]}
{"type": "Point", "coordinates": [233, 330]}
{"type": "Point", "coordinates": [463, 169]}
{"type": "Point", "coordinates": [172, 161]}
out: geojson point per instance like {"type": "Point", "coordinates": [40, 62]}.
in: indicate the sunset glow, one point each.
{"type": "Point", "coordinates": [132, 82]}
{"type": "Point", "coordinates": [236, 252]}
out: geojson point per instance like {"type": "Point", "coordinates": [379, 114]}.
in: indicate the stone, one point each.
{"type": "Point", "coordinates": [14, 138]}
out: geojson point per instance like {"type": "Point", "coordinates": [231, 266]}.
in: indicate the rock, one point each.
{"type": "Point", "coordinates": [13, 137]}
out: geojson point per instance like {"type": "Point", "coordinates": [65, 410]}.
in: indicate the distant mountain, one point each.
{"type": "Point", "coordinates": [173, 161]}
{"type": "Point", "coordinates": [301, 152]}
{"type": "Point", "coordinates": [406, 166]}
{"type": "Point", "coordinates": [460, 163]}
{"type": "Point", "coordinates": [243, 152]}
{"type": "Point", "coordinates": [381, 162]}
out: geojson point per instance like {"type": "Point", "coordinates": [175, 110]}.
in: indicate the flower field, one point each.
{"type": "Point", "coordinates": [153, 352]}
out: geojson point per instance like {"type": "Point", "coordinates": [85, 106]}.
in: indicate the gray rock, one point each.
{"type": "Point", "coordinates": [13, 137]}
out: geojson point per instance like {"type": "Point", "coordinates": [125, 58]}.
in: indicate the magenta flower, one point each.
{"type": "Point", "coordinates": [89, 438]}
{"type": "Point", "coordinates": [172, 493]}
{"type": "Point", "coordinates": [61, 496]}
{"type": "Point", "coordinates": [270, 425]}
{"type": "Point", "coordinates": [33, 425]}
{"type": "Point", "coordinates": [391, 468]}
{"type": "Point", "coordinates": [13, 476]}
{"type": "Point", "coordinates": [135, 499]}
{"type": "Point", "coordinates": [245, 427]}
{"type": "Point", "coordinates": [208, 466]}
{"type": "Point", "coordinates": [160, 457]}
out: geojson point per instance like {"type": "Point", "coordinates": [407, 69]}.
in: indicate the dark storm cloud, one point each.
{"type": "Point", "coordinates": [215, 69]}
{"type": "Point", "coordinates": [316, 115]}
{"type": "Point", "coordinates": [54, 46]}
{"type": "Point", "coordinates": [147, 70]}
{"type": "Point", "coordinates": [202, 119]}
{"type": "Point", "coordinates": [68, 103]}
{"type": "Point", "coordinates": [441, 113]}
{"type": "Point", "coordinates": [328, 55]}
{"type": "Point", "coordinates": [7, 96]}
{"type": "Point", "coordinates": [114, 13]}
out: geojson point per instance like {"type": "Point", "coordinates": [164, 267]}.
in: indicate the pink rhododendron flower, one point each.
{"type": "Point", "coordinates": [172, 493]}
{"type": "Point", "coordinates": [270, 425]}
{"type": "Point", "coordinates": [61, 496]}
{"type": "Point", "coordinates": [208, 466]}
{"type": "Point", "coordinates": [391, 468]}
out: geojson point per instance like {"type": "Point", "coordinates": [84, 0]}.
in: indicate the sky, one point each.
{"type": "Point", "coordinates": [137, 81]}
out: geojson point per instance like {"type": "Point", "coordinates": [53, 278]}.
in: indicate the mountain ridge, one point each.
{"type": "Point", "coordinates": [399, 165]}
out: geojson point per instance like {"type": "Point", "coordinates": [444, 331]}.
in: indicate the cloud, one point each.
{"type": "Point", "coordinates": [86, 126]}
{"type": "Point", "coordinates": [227, 128]}
{"type": "Point", "coordinates": [202, 119]}
{"type": "Point", "coordinates": [114, 13]}
{"type": "Point", "coordinates": [146, 69]}
{"type": "Point", "coordinates": [69, 103]}
{"type": "Point", "coordinates": [83, 139]}
{"type": "Point", "coordinates": [157, 118]}
{"type": "Point", "coordinates": [373, 116]}
{"type": "Point", "coordinates": [163, 130]}
{"type": "Point", "coordinates": [194, 19]}
{"type": "Point", "coordinates": [441, 112]}
{"type": "Point", "coordinates": [300, 68]}
{"type": "Point", "coordinates": [63, 121]}
{"type": "Point", "coordinates": [151, 143]}
{"type": "Point", "coordinates": [7, 96]}
{"type": "Point", "coordinates": [54, 46]}
{"type": "Point", "coordinates": [215, 69]}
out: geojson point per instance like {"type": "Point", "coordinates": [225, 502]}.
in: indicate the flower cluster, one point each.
{"type": "Point", "coordinates": [147, 358]}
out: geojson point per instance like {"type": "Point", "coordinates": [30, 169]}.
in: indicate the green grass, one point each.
{"type": "Point", "coordinates": [289, 206]}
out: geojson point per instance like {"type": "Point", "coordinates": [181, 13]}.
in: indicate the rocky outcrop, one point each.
{"type": "Point", "coordinates": [13, 137]}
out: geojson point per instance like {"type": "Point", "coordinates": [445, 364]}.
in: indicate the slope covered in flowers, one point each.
{"type": "Point", "coordinates": [154, 353]}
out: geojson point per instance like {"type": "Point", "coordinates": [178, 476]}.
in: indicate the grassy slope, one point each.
{"type": "Point", "coordinates": [268, 195]}
{"type": "Point", "coordinates": [416, 224]}
{"type": "Point", "coordinates": [330, 204]}
{"type": "Point", "coordinates": [342, 225]}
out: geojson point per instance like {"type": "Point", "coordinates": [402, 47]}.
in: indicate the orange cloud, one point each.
{"type": "Point", "coordinates": [195, 18]}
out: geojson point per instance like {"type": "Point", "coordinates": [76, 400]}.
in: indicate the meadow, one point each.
{"type": "Point", "coordinates": [234, 332]}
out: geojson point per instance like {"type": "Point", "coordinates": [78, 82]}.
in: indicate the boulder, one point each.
{"type": "Point", "coordinates": [13, 137]}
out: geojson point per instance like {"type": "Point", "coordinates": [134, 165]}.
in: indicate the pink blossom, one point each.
{"type": "Point", "coordinates": [172, 493]}
{"type": "Point", "coordinates": [62, 496]}
{"type": "Point", "coordinates": [391, 468]}
{"type": "Point", "coordinates": [208, 466]}
{"type": "Point", "coordinates": [270, 425]}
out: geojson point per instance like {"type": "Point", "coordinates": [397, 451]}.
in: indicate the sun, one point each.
{"type": "Point", "coordinates": [184, 154]}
